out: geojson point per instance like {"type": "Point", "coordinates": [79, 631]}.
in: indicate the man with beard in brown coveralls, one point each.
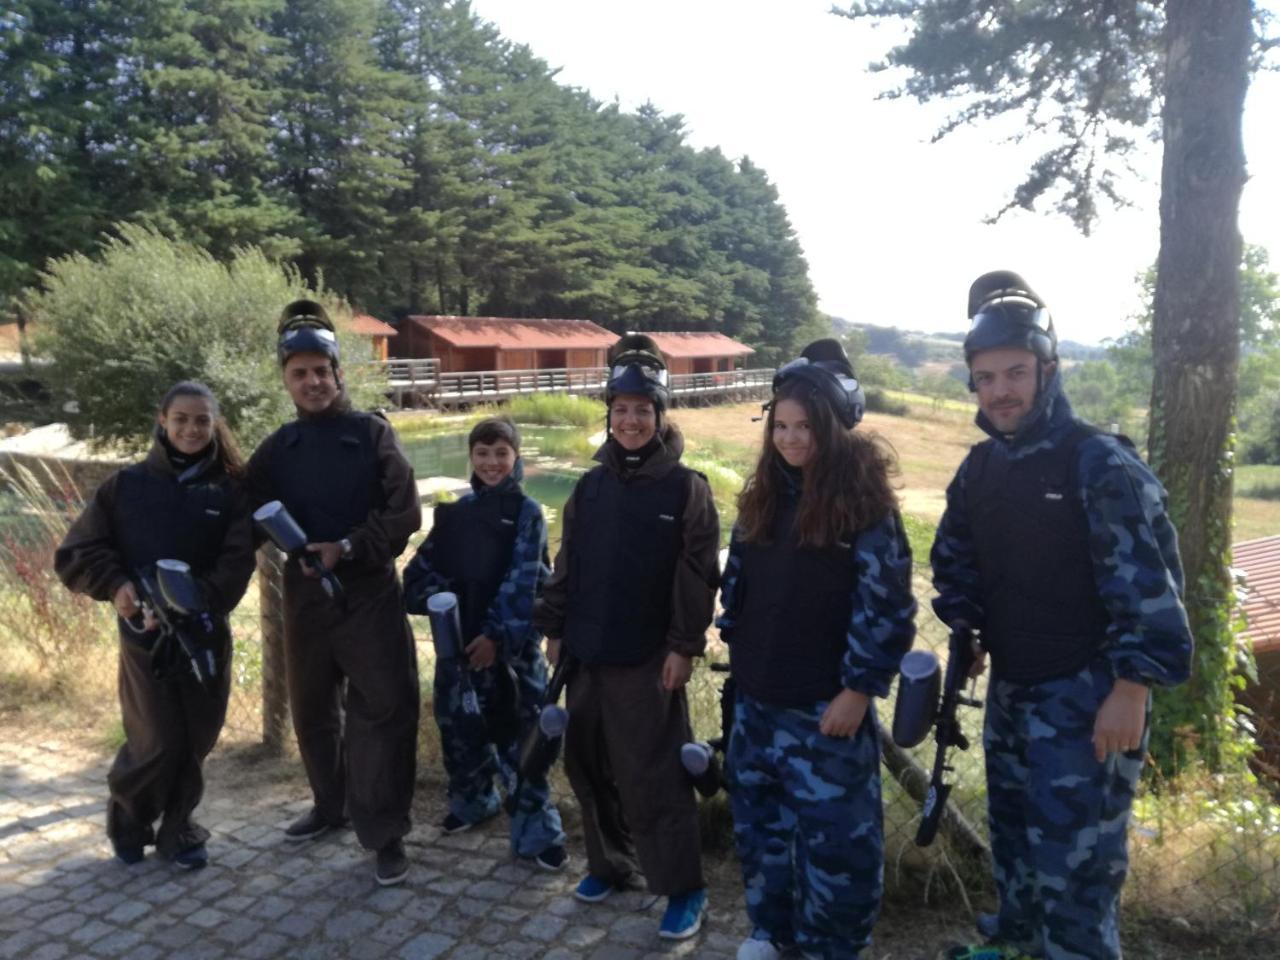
{"type": "Point", "coordinates": [343, 476]}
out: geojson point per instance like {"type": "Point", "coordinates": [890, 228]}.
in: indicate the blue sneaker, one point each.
{"type": "Point", "coordinates": [684, 915]}
{"type": "Point", "coordinates": [592, 889]}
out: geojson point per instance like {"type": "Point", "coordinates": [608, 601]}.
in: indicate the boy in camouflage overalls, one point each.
{"type": "Point", "coordinates": [1056, 546]}
{"type": "Point", "coordinates": [489, 549]}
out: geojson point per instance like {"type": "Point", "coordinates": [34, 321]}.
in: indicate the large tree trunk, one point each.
{"type": "Point", "coordinates": [1195, 338]}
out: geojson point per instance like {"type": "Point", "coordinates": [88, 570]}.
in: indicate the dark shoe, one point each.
{"type": "Point", "coordinates": [129, 853]}
{"type": "Point", "coordinates": [192, 858]}
{"type": "Point", "coordinates": [553, 858]}
{"type": "Point", "coordinates": [309, 826]}
{"type": "Point", "coordinates": [454, 824]}
{"type": "Point", "coordinates": [393, 864]}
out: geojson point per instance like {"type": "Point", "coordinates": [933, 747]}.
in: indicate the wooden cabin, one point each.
{"type": "Point", "coordinates": [700, 352]}
{"type": "Point", "coordinates": [464, 344]}
{"type": "Point", "coordinates": [378, 333]}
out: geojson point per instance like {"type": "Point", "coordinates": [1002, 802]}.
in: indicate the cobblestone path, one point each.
{"type": "Point", "coordinates": [63, 895]}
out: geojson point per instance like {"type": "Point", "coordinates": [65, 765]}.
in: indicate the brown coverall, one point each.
{"type": "Point", "coordinates": [622, 747]}
{"type": "Point", "coordinates": [357, 664]}
{"type": "Point", "coordinates": [170, 725]}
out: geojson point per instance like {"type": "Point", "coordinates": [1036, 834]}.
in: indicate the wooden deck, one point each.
{"type": "Point", "coordinates": [420, 383]}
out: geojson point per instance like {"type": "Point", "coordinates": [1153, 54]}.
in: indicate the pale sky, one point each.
{"type": "Point", "coordinates": [891, 225]}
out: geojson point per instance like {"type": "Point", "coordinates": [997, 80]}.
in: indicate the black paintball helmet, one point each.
{"type": "Point", "coordinates": [305, 327]}
{"type": "Point", "coordinates": [636, 366]}
{"type": "Point", "coordinates": [1005, 312]}
{"type": "Point", "coordinates": [825, 366]}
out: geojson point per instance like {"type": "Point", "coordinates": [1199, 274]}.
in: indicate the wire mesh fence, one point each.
{"type": "Point", "coordinates": [1204, 849]}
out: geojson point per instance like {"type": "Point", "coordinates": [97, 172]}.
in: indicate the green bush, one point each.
{"type": "Point", "coordinates": [878, 401]}
{"type": "Point", "coordinates": [146, 311]}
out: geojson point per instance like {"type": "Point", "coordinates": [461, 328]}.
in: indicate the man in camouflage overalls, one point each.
{"type": "Point", "coordinates": [1056, 546]}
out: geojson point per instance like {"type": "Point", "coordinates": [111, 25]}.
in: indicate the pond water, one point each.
{"type": "Point", "coordinates": [548, 479]}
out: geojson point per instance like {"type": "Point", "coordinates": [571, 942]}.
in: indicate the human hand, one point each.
{"type": "Point", "coordinates": [126, 600]}
{"type": "Point", "coordinates": [1120, 721]}
{"type": "Point", "coordinates": [979, 665]}
{"type": "Point", "coordinates": [676, 671]}
{"type": "Point", "coordinates": [844, 714]}
{"type": "Point", "coordinates": [481, 652]}
{"type": "Point", "coordinates": [553, 651]}
{"type": "Point", "coordinates": [329, 553]}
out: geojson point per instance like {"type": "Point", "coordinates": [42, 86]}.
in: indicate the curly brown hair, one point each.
{"type": "Point", "coordinates": [846, 483]}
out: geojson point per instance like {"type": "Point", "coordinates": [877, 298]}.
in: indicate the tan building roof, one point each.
{"type": "Point", "coordinates": [371, 326]}
{"type": "Point", "coordinates": [503, 333]}
{"type": "Point", "coordinates": [699, 344]}
{"type": "Point", "coordinates": [1259, 561]}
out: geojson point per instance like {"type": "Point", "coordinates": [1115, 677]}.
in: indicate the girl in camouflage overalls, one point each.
{"type": "Point", "coordinates": [818, 613]}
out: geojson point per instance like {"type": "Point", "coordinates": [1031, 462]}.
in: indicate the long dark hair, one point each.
{"type": "Point", "coordinates": [846, 483]}
{"type": "Point", "coordinates": [225, 445]}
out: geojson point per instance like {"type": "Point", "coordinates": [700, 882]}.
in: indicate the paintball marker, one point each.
{"type": "Point", "coordinates": [699, 758]}
{"type": "Point", "coordinates": [446, 634]}
{"type": "Point", "coordinates": [171, 596]}
{"type": "Point", "coordinates": [918, 709]}
{"type": "Point", "coordinates": [282, 530]}
{"type": "Point", "coordinates": [541, 747]}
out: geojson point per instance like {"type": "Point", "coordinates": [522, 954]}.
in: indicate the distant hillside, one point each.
{"type": "Point", "coordinates": [913, 348]}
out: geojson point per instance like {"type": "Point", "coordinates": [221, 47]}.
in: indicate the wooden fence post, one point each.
{"type": "Point", "coordinates": [275, 695]}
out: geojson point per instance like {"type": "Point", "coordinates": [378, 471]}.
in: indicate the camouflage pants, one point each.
{"type": "Point", "coordinates": [808, 826]}
{"type": "Point", "coordinates": [473, 762]}
{"type": "Point", "coordinates": [1058, 817]}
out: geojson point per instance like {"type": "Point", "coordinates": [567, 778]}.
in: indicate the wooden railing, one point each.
{"type": "Point", "coordinates": [424, 377]}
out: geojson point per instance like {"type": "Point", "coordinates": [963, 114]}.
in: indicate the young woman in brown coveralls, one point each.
{"type": "Point", "coordinates": [184, 502]}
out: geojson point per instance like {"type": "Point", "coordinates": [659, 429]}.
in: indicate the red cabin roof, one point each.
{"type": "Point", "coordinates": [1259, 560]}
{"type": "Point", "coordinates": [369, 326]}
{"type": "Point", "coordinates": [699, 344]}
{"type": "Point", "coordinates": [503, 333]}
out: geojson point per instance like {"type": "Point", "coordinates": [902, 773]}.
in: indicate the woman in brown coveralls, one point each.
{"type": "Point", "coordinates": [184, 502]}
{"type": "Point", "coordinates": [631, 598]}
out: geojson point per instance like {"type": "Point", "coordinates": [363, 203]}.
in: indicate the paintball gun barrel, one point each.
{"type": "Point", "coordinates": [541, 747]}
{"type": "Point", "coordinates": [702, 759]}
{"type": "Point", "coordinates": [282, 530]}
{"type": "Point", "coordinates": [918, 709]}
{"type": "Point", "coordinates": [174, 600]}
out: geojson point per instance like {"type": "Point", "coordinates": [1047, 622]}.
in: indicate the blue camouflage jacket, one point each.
{"type": "Point", "coordinates": [509, 620]}
{"type": "Point", "coordinates": [882, 625]}
{"type": "Point", "coordinates": [1133, 544]}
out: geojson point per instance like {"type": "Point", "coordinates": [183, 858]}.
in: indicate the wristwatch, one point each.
{"type": "Point", "coordinates": [345, 544]}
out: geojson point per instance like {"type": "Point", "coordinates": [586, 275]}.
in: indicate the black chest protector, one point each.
{"type": "Point", "coordinates": [158, 518]}
{"type": "Point", "coordinates": [325, 470]}
{"type": "Point", "coordinates": [1044, 618]}
{"type": "Point", "coordinates": [473, 542]}
{"type": "Point", "coordinates": [626, 544]}
{"type": "Point", "coordinates": [792, 607]}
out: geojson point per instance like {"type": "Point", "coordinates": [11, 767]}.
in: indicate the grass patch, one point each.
{"type": "Point", "coordinates": [574, 445]}
{"type": "Point", "coordinates": [556, 409]}
{"type": "Point", "coordinates": [1260, 481]}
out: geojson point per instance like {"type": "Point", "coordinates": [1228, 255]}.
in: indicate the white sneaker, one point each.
{"type": "Point", "coordinates": [758, 950]}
